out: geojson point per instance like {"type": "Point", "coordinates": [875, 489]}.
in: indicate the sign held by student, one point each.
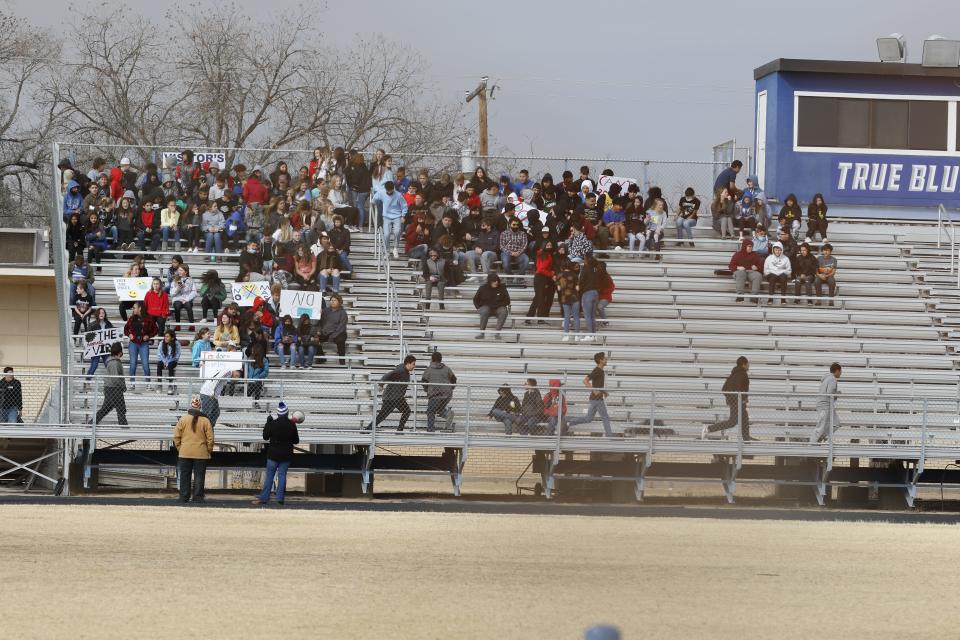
{"type": "Point", "coordinates": [244, 293]}
{"type": "Point", "coordinates": [605, 182]}
{"type": "Point", "coordinates": [297, 303]}
{"type": "Point", "coordinates": [130, 289]}
{"type": "Point", "coordinates": [98, 343]}
{"type": "Point", "coordinates": [220, 364]}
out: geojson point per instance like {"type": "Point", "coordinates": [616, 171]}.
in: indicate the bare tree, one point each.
{"type": "Point", "coordinates": [25, 128]}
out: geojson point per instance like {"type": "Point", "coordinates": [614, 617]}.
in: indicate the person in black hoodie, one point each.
{"type": "Point", "coordinates": [506, 409]}
{"type": "Point", "coordinates": [791, 213]}
{"type": "Point", "coordinates": [281, 434]}
{"type": "Point", "coordinates": [11, 397]}
{"type": "Point", "coordinates": [805, 273]}
{"type": "Point", "coordinates": [735, 389]}
{"type": "Point", "coordinates": [491, 299]}
{"type": "Point", "coordinates": [817, 218]}
{"type": "Point", "coordinates": [531, 409]}
{"type": "Point", "coordinates": [394, 393]}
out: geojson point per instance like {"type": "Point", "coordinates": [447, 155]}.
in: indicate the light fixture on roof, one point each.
{"type": "Point", "coordinates": [892, 48]}
{"type": "Point", "coordinates": [940, 52]}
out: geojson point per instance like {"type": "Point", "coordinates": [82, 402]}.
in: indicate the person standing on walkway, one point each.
{"type": "Point", "coordinates": [735, 390]}
{"type": "Point", "coordinates": [393, 386]}
{"type": "Point", "coordinates": [114, 385]}
{"type": "Point", "coordinates": [11, 398]}
{"type": "Point", "coordinates": [595, 381]}
{"type": "Point", "coordinates": [438, 381]}
{"type": "Point", "coordinates": [280, 434]}
{"type": "Point", "coordinates": [827, 420]}
{"type": "Point", "coordinates": [193, 438]}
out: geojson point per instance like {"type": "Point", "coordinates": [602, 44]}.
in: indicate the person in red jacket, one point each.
{"type": "Point", "coordinates": [141, 329]}
{"type": "Point", "coordinates": [606, 292]}
{"type": "Point", "coordinates": [261, 311]}
{"type": "Point", "coordinates": [254, 191]}
{"type": "Point", "coordinates": [157, 303]}
{"type": "Point", "coordinates": [554, 406]}
{"type": "Point", "coordinates": [116, 179]}
{"type": "Point", "coordinates": [544, 285]}
{"type": "Point", "coordinates": [747, 266]}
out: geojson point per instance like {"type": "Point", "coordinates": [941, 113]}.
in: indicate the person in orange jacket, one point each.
{"type": "Point", "coordinates": [555, 406]}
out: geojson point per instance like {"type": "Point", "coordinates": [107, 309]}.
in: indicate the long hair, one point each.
{"type": "Point", "coordinates": [193, 423]}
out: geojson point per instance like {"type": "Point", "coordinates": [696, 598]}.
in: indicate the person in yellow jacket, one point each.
{"type": "Point", "coordinates": [193, 438]}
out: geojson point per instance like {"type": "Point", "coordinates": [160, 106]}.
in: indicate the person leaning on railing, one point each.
{"type": "Point", "coordinates": [11, 398]}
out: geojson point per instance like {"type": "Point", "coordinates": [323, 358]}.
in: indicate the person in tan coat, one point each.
{"type": "Point", "coordinates": [193, 438]}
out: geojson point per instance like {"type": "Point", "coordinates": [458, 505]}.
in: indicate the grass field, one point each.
{"type": "Point", "coordinates": [131, 572]}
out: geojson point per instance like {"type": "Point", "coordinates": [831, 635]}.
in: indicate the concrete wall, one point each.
{"type": "Point", "coordinates": [28, 319]}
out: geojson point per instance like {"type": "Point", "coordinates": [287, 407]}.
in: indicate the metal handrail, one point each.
{"type": "Point", "coordinates": [945, 223]}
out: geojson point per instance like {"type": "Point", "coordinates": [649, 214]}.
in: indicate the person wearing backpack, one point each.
{"type": "Point", "coordinates": [438, 381]}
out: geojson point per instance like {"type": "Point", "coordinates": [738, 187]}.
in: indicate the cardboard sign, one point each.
{"type": "Point", "coordinates": [244, 293]}
{"type": "Point", "coordinates": [171, 159]}
{"type": "Point", "coordinates": [604, 183]}
{"type": "Point", "coordinates": [130, 289]}
{"type": "Point", "coordinates": [98, 343]}
{"type": "Point", "coordinates": [220, 364]}
{"type": "Point", "coordinates": [297, 303]}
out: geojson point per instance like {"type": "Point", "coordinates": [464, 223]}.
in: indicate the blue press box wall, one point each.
{"type": "Point", "coordinates": [806, 173]}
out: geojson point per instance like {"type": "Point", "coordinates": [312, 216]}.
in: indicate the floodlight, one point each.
{"type": "Point", "coordinates": [892, 48]}
{"type": "Point", "coordinates": [940, 52]}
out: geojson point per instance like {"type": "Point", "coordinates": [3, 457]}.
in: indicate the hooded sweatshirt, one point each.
{"type": "Point", "coordinates": [72, 200]}
{"type": "Point", "coordinates": [436, 378]}
{"type": "Point", "coordinates": [489, 296]}
{"type": "Point", "coordinates": [746, 260]}
{"type": "Point", "coordinates": [551, 401]}
{"type": "Point", "coordinates": [777, 265]}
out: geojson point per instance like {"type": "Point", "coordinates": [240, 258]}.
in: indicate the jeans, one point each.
{"type": "Point", "coordinates": [395, 228]}
{"type": "Point", "coordinates": [197, 468]}
{"type": "Point", "coordinates": [486, 260]}
{"type": "Point", "coordinates": [171, 372]}
{"type": "Point", "coordinates": [522, 262]}
{"type": "Point", "coordinates": [571, 317]}
{"type": "Point", "coordinates": [594, 407]}
{"type": "Point", "coordinates": [485, 313]}
{"type": "Point", "coordinates": [306, 355]}
{"type": "Point", "coordinates": [636, 241]}
{"type": "Point", "coordinates": [113, 399]}
{"type": "Point", "coordinates": [334, 276]}
{"type": "Point", "coordinates": [94, 363]}
{"type": "Point", "coordinates": [179, 306]}
{"type": "Point", "coordinates": [428, 290]}
{"type": "Point", "coordinates": [831, 286]}
{"type": "Point", "coordinates": [805, 281]}
{"type": "Point", "coordinates": [153, 237]}
{"type": "Point", "coordinates": [285, 351]}
{"type": "Point", "coordinates": [361, 201]}
{"type": "Point", "coordinates": [588, 301]}
{"type": "Point", "coordinates": [139, 352]}
{"type": "Point", "coordinates": [602, 309]}
{"type": "Point", "coordinates": [345, 264]}
{"type": "Point", "coordinates": [655, 239]}
{"type": "Point", "coordinates": [506, 418]}
{"type": "Point", "coordinates": [213, 242]}
{"type": "Point", "coordinates": [165, 235]}
{"type": "Point", "coordinates": [543, 291]}
{"type": "Point", "coordinates": [685, 227]}
{"type": "Point", "coordinates": [210, 407]}
{"type": "Point", "coordinates": [436, 406]}
{"type": "Point", "coordinates": [9, 414]}
{"type": "Point", "coordinates": [278, 469]}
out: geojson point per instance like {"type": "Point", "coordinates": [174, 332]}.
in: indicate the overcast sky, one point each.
{"type": "Point", "coordinates": [630, 79]}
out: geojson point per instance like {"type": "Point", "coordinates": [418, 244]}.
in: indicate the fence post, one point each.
{"type": "Point", "coordinates": [96, 388]}
{"type": "Point", "coordinates": [416, 399]}
{"type": "Point", "coordinates": [469, 403]}
{"type": "Point", "coordinates": [653, 401]}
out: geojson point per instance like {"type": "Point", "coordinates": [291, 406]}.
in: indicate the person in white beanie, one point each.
{"type": "Point", "coordinates": [776, 269]}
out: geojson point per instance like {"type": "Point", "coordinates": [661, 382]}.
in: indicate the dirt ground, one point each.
{"type": "Point", "coordinates": [139, 572]}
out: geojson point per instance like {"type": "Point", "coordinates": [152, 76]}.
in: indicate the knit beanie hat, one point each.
{"type": "Point", "coordinates": [282, 409]}
{"type": "Point", "coordinates": [195, 402]}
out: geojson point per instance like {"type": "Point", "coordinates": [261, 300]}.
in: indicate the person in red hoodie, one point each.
{"type": "Point", "coordinates": [261, 311]}
{"type": "Point", "coordinates": [544, 285]}
{"type": "Point", "coordinates": [157, 303]}
{"type": "Point", "coordinates": [116, 179]}
{"type": "Point", "coordinates": [747, 266]}
{"type": "Point", "coordinates": [554, 406]}
{"type": "Point", "coordinates": [254, 191]}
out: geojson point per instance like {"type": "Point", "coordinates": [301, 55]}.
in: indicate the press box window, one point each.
{"type": "Point", "coordinates": [871, 123]}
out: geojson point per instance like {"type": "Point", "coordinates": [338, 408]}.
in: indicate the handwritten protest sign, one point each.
{"type": "Point", "coordinates": [244, 293]}
{"type": "Point", "coordinates": [297, 303]}
{"type": "Point", "coordinates": [130, 289]}
{"type": "Point", "coordinates": [98, 343]}
{"type": "Point", "coordinates": [219, 364]}
{"type": "Point", "coordinates": [604, 183]}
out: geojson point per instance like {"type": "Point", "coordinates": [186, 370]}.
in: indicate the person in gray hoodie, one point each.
{"type": "Point", "coordinates": [333, 327]}
{"type": "Point", "coordinates": [438, 382]}
{"type": "Point", "coordinates": [434, 275]}
{"type": "Point", "coordinates": [827, 421]}
{"type": "Point", "coordinates": [114, 385]}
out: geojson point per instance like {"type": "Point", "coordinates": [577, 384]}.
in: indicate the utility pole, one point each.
{"type": "Point", "coordinates": [481, 93]}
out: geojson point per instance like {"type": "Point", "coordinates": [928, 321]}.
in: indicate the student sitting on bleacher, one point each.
{"type": "Point", "coordinates": [157, 304]}
{"type": "Point", "coordinates": [746, 219]}
{"type": "Point", "coordinates": [285, 341]}
{"type": "Point", "coordinates": [491, 299]}
{"type": "Point", "coordinates": [531, 410]}
{"type": "Point", "coordinates": [251, 260]}
{"type": "Point", "coordinates": [506, 409]}
{"type": "Point", "coordinates": [579, 244]}
{"type": "Point", "coordinates": [183, 291]}
{"type": "Point", "coordinates": [805, 274]}
{"type": "Point", "coordinates": [817, 218]}
{"type": "Point", "coordinates": [305, 267]}
{"type": "Point", "coordinates": [226, 336]}
{"type": "Point", "coordinates": [776, 269]}
{"type": "Point", "coordinates": [761, 243]}
{"type": "Point", "coordinates": [790, 247]}
{"type": "Point", "coordinates": [747, 266]}
{"type": "Point", "coordinates": [485, 248]}
{"type": "Point", "coordinates": [201, 343]}
{"type": "Point", "coordinates": [554, 410]}
{"type": "Point", "coordinates": [792, 214]}
{"type": "Point", "coordinates": [826, 273]}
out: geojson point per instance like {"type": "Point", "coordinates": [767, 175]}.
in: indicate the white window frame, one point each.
{"type": "Point", "coordinates": [951, 101]}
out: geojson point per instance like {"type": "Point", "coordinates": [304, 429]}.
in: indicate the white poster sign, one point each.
{"type": "Point", "coordinates": [297, 303]}
{"type": "Point", "coordinates": [244, 293]}
{"type": "Point", "coordinates": [220, 364]}
{"type": "Point", "coordinates": [171, 159]}
{"type": "Point", "coordinates": [98, 343]}
{"type": "Point", "coordinates": [130, 289]}
{"type": "Point", "coordinates": [604, 183]}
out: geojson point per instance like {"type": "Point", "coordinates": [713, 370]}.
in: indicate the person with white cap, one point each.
{"type": "Point", "coordinates": [776, 269]}
{"type": "Point", "coordinates": [281, 435]}
{"type": "Point", "coordinates": [193, 439]}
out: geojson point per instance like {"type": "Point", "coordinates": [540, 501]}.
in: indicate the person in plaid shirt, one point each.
{"type": "Point", "coordinates": [513, 247]}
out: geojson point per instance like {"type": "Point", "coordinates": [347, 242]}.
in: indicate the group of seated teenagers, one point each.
{"type": "Point", "coordinates": [778, 263]}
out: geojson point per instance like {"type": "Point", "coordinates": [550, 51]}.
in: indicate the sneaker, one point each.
{"type": "Point", "coordinates": [498, 336]}
{"type": "Point", "coordinates": [704, 432]}
{"type": "Point", "coordinates": [451, 415]}
{"type": "Point", "coordinates": [479, 336]}
{"type": "Point", "coordinates": [396, 254]}
{"type": "Point", "coordinates": [739, 298]}
{"type": "Point", "coordinates": [618, 248]}
{"type": "Point", "coordinates": [783, 301]}
{"type": "Point", "coordinates": [170, 390]}
{"type": "Point", "coordinates": [807, 240]}
{"type": "Point", "coordinates": [831, 303]}
{"type": "Point", "coordinates": [587, 338]}
{"type": "Point", "coordinates": [258, 502]}
{"type": "Point", "coordinates": [769, 300]}
{"type": "Point", "coordinates": [565, 338]}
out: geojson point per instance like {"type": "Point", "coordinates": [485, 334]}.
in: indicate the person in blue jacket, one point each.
{"type": "Point", "coordinates": [258, 367]}
{"type": "Point", "coordinates": [394, 211]}
{"type": "Point", "coordinates": [285, 341]}
{"type": "Point", "coordinates": [72, 200]}
{"type": "Point", "coordinates": [236, 230]}
{"type": "Point", "coordinates": [201, 343]}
